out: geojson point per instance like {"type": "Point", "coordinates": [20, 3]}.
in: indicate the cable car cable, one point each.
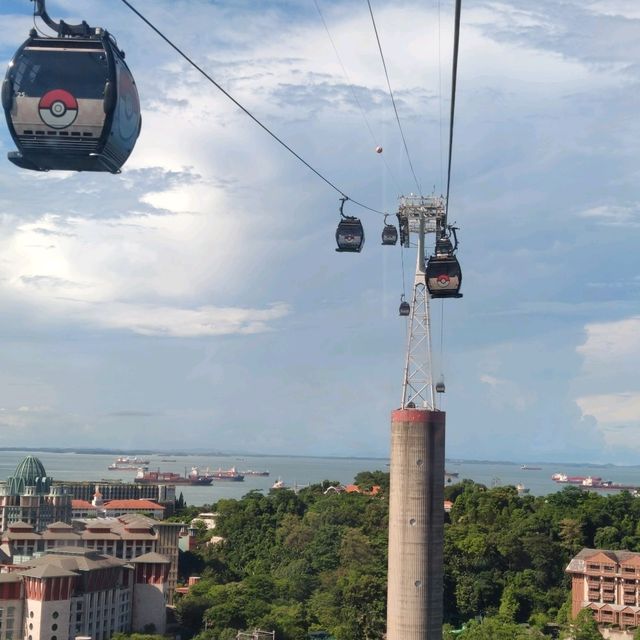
{"type": "Point", "coordinates": [442, 335]}
{"type": "Point", "coordinates": [245, 110]}
{"type": "Point", "coordinates": [440, 98]}
{"type": "Point", "coordinates": [393, 101]}
{"type": "Point", "coordinates": [354, 95]}
{"type": "Point", "coordinates": [454, 76]}
{"type": "Point", "coordinates": [402, 262]}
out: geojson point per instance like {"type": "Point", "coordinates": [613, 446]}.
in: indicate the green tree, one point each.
{"type": "Point", "coordinates": [585, 627]}
{"type": "Point", "coordinates": [496, 629]}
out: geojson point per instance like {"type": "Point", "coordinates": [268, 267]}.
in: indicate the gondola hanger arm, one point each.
{"type": "Point", "coordinates": [61, 28]}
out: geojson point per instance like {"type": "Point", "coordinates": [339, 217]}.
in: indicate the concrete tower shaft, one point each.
{"type": "Point", "coordinates": [416, 525]}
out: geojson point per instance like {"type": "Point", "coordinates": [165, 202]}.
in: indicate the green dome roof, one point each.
{"type": "Point", "coordinates": [29, 473]}
{"type": "Point", "coordinates": [29, 469]}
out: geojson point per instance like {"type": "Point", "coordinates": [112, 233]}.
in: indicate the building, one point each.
{"type": "Point", "coordinates": [163, 494]}
{"type": "Point", "coordinates": [77, 592]}
{"type": "Point", "coordinates": [99, 507]}
{"type": "Point", "coordinates": [608, 583]}
{"type": "Point", "coordinates": [115, 508]}
{"type": "Point", "coordinates": [127, 538]}
{"type": "Point", "coordinates": [28, 496]}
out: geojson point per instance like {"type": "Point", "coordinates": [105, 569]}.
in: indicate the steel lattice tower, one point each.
{"type": "Point", "coordinates": [416, 502]}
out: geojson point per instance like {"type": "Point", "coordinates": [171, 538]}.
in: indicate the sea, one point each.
{"type": "Point", "coordinates": [298, 472]}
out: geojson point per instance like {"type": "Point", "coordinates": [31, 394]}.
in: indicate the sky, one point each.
{"type": "Point", "coordinates": [195, 301]}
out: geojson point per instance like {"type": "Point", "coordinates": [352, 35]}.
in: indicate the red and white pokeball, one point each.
{"type": "Point", "coordinates": [58, 109]}
{"type": "Point", "coordinates": [443, 280]}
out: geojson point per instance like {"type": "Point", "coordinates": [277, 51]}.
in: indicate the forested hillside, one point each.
{"type": "Point", "coordinates": [299, 563]}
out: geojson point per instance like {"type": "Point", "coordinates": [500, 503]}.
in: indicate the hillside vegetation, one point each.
{"type": "Point", "coordinates": [307, 562]}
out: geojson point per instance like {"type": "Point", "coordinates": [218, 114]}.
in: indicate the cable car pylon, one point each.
{"type": "Point", "coordinates": [416, 513]}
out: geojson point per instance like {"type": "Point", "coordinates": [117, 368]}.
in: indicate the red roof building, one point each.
{"type": "Point", "coordinates": [115, 508]}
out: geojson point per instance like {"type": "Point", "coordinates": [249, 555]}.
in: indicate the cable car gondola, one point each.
{"type": "Point", "coordinates": [405, 307]}
{"type": "Point", "coordinates": [444, 275]}
{"type": "Point", "coordinates": [70, 100]}
{"type": "Point", "coordinates": [350, 232]}
{"type": "Point", "coordinates": [440, 388]}
{"type": "Point", "coordinates": [389, 234]}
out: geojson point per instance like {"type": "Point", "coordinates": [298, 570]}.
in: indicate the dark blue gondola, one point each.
{"type": "Point", "coordinates": [444, 275]}
{"type": "Point", "coordinates": [405, 307]}
{"type": "Point", "coordinates": [350, 232]}
{"type": "Point", "coordinates": [70, 101]}
{"type": "Point", "coordinates": [389, 234]}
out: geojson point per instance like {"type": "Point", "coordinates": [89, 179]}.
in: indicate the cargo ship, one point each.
{"type": "Point", "coordinates": [563, 478]}
{"type": "Point", "coordinates": [232, 475]}
{"type": "Point", "coordinates": [128, 464]}
{"type": "Point", "coordinates": [251, 472]}
{"type": "Point", "coordinates": [195, 477]}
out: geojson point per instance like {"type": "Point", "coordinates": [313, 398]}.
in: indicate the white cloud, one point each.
{"type": "Point", "coordinates": [148, 274]}
{"type": "Point", "coordinates": [609, 345]}
{"type": "Point", "coordinates": [617, 416]}
{"type": "Point", "coordinates": [611, 352]}
{"type": "Point", "coordinates": [614, 215]}
{"type": "Point", "coordinates": [612, 408]}
{"type": "Point", "coordinates": [505, 393]}
{"type": "Point", "coordinates": [155, 320]}
{"type": "Point", "coordinates": [625, 8]}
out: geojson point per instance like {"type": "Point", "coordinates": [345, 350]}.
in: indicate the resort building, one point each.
{"type": "Point", "coordinates": [162, 494]}
{"type": "Point", "coordinates": [608, 583]}
{"type": "Point", "coordinates": [127, 538]}
{"type": "Point", "coordinates": [75, 592]}
{"type": "Point", "coordinates": [101, 508]}
{"type": "Point", "coordinates": [29, 496]}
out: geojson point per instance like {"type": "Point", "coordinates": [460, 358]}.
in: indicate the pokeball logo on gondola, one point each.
{"type": "Point", "coordinates": [58, 109]}
{"type": "Point", "coordinates": [443, 280]}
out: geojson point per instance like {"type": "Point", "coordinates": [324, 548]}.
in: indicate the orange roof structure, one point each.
{"type": "Point", "coordinates": [81, 504]}
{"type": "Point", "coordinates": [354, 488]}
{"type": "Point", "coordinates": [137, 505]}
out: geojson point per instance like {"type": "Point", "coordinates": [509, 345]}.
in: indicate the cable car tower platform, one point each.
{"type": "Point", "coordinates": [419, 215]}
{"type": "Point", "coordinates": [416, 501]}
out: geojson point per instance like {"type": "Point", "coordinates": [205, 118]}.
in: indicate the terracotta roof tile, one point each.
{"type": "Point", "coordinates": [145, 505]}
{"type": "Point", "coordinates": [81, 504]}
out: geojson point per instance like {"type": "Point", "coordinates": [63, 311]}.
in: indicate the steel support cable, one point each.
{"type": "Point", "coordinates": [440, 97]}
{"type": "Point", "coordinates": [353, 93]}
{"type": "Point", "coordinates": [454, 76]}
{"type": "Point", "coordinates": [393, 100]}
{"type": "Point", "coordinates": [404, 292]}
{"type": "Point", "coordinates": [442, 336]}
{"type": "Point", "coordinates": [245, 110]}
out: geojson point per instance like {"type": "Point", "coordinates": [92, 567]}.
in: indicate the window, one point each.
{"type": "Point", "coordinates": [37, 72]}
{"type": "Point", "coordinates": [54, 627]}
{"type": "Point", "coordinates": [54, 615]}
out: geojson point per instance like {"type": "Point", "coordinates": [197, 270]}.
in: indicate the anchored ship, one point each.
{"type": "Point", "coordinates": [159, 477]}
